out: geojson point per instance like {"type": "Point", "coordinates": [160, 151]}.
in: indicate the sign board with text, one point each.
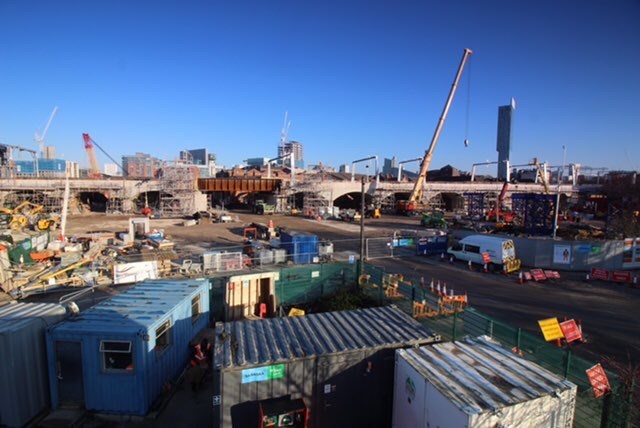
{"type": "Point", "coordinates": [598, 380]}
{"type": "Point", "coordinates": [550, 329]}
{"type": "Point", "coordinates": [571, 331]}
{"type": "Point", "coordinates": [599, 274]}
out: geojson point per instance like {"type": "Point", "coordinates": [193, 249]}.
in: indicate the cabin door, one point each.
{"type": "Point", "coordinates": [69, 373]}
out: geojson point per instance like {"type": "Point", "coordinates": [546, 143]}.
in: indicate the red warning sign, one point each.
{"type": "Point", "coordinates": [571, 331]}
{"type": "Point", "coordinates": [598, 380]}
{"type": "Point", "coordinates": [538, 274]}
{"type": "Point", "coordinates": [599, 274]}
{"type": "Point", "coordinates": [619, 276]}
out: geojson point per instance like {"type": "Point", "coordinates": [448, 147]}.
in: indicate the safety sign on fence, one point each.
{"type": "Point", "coordinates": [598, 380]}
{"type": "Point", "coordinates": [550, 329]}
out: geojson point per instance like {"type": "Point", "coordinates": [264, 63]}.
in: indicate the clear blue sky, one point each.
{"type": "Point", "coordinates": [358, 78]}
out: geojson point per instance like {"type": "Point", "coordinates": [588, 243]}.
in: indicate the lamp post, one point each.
{"type": "Point", "coordinates": [557, 207]}
{"type": "Point", "coordinates": [362, 241]}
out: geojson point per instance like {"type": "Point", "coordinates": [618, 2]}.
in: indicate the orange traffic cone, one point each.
{"type": "Point", "coordinates": [520, 278]}
{"type": "Point", "coordinates": [444, 289]}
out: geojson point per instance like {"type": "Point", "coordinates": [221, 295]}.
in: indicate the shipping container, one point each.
{"type": "Point", "coordinates": [431, 243]}
{"type": "Point", "coordinates": [302, 247]}
{"type": "Point", "coordinates": [339, 363]}
{"type": "Point", "coordinates": [477, 383]}
{"type": "Point", "coordinates": [117, 356]}
{"type": "Point", "coordinates": [24, 380]}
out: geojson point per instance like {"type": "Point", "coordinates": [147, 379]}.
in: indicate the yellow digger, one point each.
{"type": "Point", "coordinates": [27, 213]}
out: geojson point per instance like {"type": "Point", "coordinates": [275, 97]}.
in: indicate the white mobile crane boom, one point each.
{"type": "Point", "coordinates": [408, 206]}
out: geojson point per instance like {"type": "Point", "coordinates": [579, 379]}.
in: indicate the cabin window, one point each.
{"type": "Point", "coordinates": [116, 355]}
{"type": "Point", "coordinates": [195, 308]}
{"type": "Point", "coordinates": [163, 336]}
{"type": "Point", "coordinates": [472, 248]}
{"type": "Point", "coordinates": [456, 247]}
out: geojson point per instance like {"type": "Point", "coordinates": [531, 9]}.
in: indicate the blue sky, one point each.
{"type": "Point", "coordinates": [358, 78]}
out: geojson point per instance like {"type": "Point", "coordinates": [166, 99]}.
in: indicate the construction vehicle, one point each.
{"type": "Point", "coordinates": [413, 204]}
{"type": "Point", "coordinates": [39, 138]}
{"type": "Point", "coordinates": [499, 214]}
{"type": "Point", "coordinates": [22, 215]}
{"type": "Point", "coordinates": [263, 208]}
{"type": "Point", "coordinates": [372, 213]}
{"type": "Point", "coordinates": [48, 222]}
{"type": "Point", "coordinates": [542, 174]}
{"type": "Point", "coordinates": [94, 169]}
{"type": "Point", "coordinates": [434, 220]}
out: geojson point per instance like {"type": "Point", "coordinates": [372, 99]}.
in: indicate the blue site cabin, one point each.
{"type": "Point", "coordinates": [24, 383]}
{"type": "Point", "coordinates": [117, 356]}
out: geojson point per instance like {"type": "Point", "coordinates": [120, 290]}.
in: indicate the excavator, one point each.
{"type": "Point", "coordinates": [413, 204]}
{"type": "Point", "coordinates": [27, 213]}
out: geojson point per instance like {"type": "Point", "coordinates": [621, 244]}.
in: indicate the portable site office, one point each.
{"type": "Point", "coordinates": [339, 363]}
{"type": "Point", "coordinates": [117, 356]}
{"type": "Point", "coordinates": [477, 383]}
{"type": "Point", "coordinates": [24, 382]}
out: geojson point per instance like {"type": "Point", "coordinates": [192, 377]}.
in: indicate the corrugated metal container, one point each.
{"type": "Point", "coordinates": [24, 381]}
{"type": "Point", "coordinates": [477, 383]}
{"type": "Point", "coordinates": [302, 247]}
{"type": "Point", "coordinates": [339, 363]}
{"type": "Point", "coordinates": [117, 356]}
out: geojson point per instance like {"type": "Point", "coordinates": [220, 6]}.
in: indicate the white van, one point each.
{"type": "Point", "coordinates": [501, 252]}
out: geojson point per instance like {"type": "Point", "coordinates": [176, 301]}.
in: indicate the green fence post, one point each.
{"type": "Point", "coordinates": [567, 364]}
{"type": "Point", "coordinates": [606, 409]}
{"type": "Point", "coordinates": [490, 328]}
{"type": "Point", "coordinates": [455, 319]}
{"type": "Point", "coordinates": [518, 336]}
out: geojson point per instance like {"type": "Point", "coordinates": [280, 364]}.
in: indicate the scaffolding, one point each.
{"type": "Point", "coordinates": [178, 188]}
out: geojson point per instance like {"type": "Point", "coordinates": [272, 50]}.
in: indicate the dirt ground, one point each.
{"type": "Point", "coordinates": [608, 311]}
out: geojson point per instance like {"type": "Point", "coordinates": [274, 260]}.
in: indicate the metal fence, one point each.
{"type": "Point", "coordinates": [616, 409]}
{"type": "Point", "coordinates": [296, 284]}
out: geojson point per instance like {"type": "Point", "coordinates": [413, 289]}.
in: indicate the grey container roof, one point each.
{"type": "Point", "coordinates": [266, 341]}
{"type": "Point", "coordinates": [15, 316]}
{"type": "Point", "coordinates": [478, 374]}
{"type": "Point", "coordinates": [140, 306]}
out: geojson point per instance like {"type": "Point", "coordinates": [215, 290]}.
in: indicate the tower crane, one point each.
{"type": "Point", "coordinates": [409, 206]}
{"type": "Point", "coordinates": [39, 139]}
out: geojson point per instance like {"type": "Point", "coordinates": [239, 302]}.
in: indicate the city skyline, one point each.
{"type": "Point", "coordinates": [358, 79]}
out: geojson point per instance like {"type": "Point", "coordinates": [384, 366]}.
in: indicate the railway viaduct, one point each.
{"type": "Point", "coordinates": [127, 195]}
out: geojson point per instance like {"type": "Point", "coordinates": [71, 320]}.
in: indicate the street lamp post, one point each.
{"type": "Point", "coordinates": [557, 207]}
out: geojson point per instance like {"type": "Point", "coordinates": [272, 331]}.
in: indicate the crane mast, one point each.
{"type": "Point", "coordinates": [94, 169]}
{"type": "Point", "coordinates": [416, 193]}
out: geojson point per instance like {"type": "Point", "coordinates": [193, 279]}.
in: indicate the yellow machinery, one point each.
{"type": "Point", "coordinates": [27, 213]}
